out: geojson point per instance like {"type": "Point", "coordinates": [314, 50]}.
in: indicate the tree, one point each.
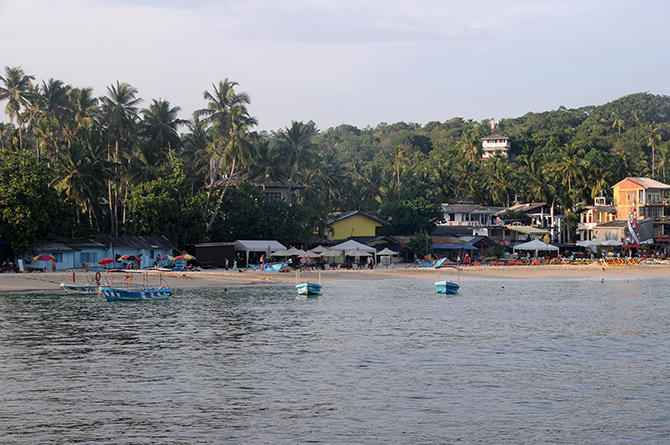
{"type": "Point", "coordinates": [159, 126]}
{"type": "Point", "coordinates": [29, 207]}
{"type": "Point", "coordinates": [230, 122]}
{"type": "Point", "coordinates": [166, 206]}
{"type": "Point", "coordinates": [420, 244]}
{"type": "Point", "coordinates": [411, 216]}
{"type": "Point", "coordinates": [17, 90]}
{"type": "Point", "coordinates": [295, 147]}
{"type": "Point", "coordinates": [119, 113]}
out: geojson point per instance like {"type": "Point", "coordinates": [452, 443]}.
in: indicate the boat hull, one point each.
{"type": "Point", "coordinates": [80, 288]}
{"type": "Point", "coordinates": [308, 289]}
{"type": "Point", "coordinates": [116, 294]}
{"type": "Point", "coordinates": [446, 287]}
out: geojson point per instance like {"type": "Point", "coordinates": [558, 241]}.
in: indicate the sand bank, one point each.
{"type": "Point", "coordinates": [46, 281]}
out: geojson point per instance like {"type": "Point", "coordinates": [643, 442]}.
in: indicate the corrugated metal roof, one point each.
{"type": "Point", "coordinates": [258, 245]}
{"type": "Point", "coordinates": [647, 183]}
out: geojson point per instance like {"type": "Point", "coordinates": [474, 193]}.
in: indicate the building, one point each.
{"type": "Point", "coordinates": [643, 198]}
{"type": "Point", "coordinates": [215, 254]}
{"type": "Point", "coordinates": [543, 216]}
{"type": "Point", "coordinates": [288, 191]}
{"type": "Point", "coordinates": [70, 253]}
{"type": "Point", "coordinates": [618, 230]}
{"type": "Point", "coordinates": [495, 144]}
{"type": "Point", "coordinates": [467, 213]}
{"type": "Point", "coordinates": [354, 224]}
{"type": "Point", "coordinates": [591, 216]}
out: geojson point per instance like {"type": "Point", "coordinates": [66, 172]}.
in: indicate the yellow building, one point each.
{"type": "Point", "coordinates": [355, 223]}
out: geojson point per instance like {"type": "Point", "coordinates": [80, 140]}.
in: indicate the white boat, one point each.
{"type": "Point", "coordinates": [74, 288]}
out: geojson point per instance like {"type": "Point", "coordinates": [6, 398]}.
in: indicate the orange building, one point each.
{"type": "Point", "coordinates": [642, 195]}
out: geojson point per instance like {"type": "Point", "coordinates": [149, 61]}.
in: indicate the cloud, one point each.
{"type": "Point", "coordinates": [338, 61]}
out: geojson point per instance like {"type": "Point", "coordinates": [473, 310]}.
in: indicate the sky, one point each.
{"type": "Point", "coordinates": [358, 62]}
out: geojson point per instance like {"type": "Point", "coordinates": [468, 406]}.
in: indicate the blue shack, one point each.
{"type": "Point", "coordinates": [70, 253]}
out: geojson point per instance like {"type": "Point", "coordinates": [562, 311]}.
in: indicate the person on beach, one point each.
{"type": "Point", "coordinates": [226, 265]}
{"type": "Point", "coordinates": [467, 259]}
{"type": "Point", "coordinates": [53, 265]}
{"type": "Point", "coordinates": [262, 261]}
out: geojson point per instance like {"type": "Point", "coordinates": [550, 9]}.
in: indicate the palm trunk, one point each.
{"type": "Point", "coordinates": [109, 196]}
{"type": "Point", "coordinates": [220, 200]}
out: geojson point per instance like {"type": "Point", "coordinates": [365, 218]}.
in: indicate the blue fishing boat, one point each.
{"type": "Point", "coordinates": [151, 287]}
{"type": "Point", "coordinates": [446, 287]}
{"type": "Point", "coordinates": [308, 289]}
{"type": "Point", "coordinates": [435, 264]}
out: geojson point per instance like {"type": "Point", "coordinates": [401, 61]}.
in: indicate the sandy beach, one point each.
{"type": "Point", "coordinates": [48, 281]}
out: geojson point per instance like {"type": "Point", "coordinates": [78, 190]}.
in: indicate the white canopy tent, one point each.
{"type": "Point", "coordinates": [535, 245]}
{"type": "Point", "coordinates": [353, 245]}
{"type": "Point", "coordinates": [257, 246]}
{"type": "Point", "coordinates": [357, 253]}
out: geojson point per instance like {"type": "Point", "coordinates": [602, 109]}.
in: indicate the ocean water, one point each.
{"type": "Point", "coordinates": [504, 361]}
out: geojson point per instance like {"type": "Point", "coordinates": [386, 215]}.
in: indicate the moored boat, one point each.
{"type": "Point", "coordinates": [74, 288]}
{"type": "Point", "coordinates": [151, 287]}
{"type": "Point", "coordinates": [446, 287]}
{"type": "Point", "coordinates": [308, 289]}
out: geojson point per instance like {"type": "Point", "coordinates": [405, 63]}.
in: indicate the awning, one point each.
{"type": "Point", "coordinates": [528, 230]}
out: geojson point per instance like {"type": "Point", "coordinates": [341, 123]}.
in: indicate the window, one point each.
{"type": "Point", "coordinates": [272, 196]}
{"type": "Point", "coordinates": [58, 257]}
{"type": "Point", "coordinates": [640, 196]}
{"type": "Point", "coordinates": [88, 257]}
{"type": "Point", "coordinates": [631, 196]}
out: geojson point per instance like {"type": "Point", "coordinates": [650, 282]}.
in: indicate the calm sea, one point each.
{"type": "Point", "coordinates": [506, 361]}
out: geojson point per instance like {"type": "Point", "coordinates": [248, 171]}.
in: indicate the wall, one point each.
{"type": "Point", "coordinates": [356, 225]}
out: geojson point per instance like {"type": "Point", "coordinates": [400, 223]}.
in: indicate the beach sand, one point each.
{"type": "Point", "coordinates": [50, 281]}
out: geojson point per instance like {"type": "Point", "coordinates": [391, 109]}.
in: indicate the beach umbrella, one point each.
{"type": "Point", "coordinates": [166, 258]}
{"type": "Point", "coordinates": [280, 252]}
{"type": "Point", "coordinates": [323, 251]}
{"type": "Point", "coordinates": [309, 254]}
{"type": "Point", "coordinates": [185, 256]}
{"type": "Point", "coordinates": [294, 251]}
{"type": "Point", "coordinates": [43, 257]}
{"type": "Point", "coordinates": [129, 258]}
{"type": "Point", "coordinates": [387, 251]}
{"type": "Point", "coordinates": [106, 261]}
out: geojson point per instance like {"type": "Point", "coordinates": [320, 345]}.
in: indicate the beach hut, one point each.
{"type": "Point", "coordinates": [256, 246]}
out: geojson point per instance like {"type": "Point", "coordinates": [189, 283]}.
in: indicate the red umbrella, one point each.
{"type": "Point", "coordinates": [43, 257]}
{"type": "Point", "coordinates": [106, 261]}
{"type": "Point", "coordinates": [185, 256]}
{"type": "Point", "coordinates": [129, 258]}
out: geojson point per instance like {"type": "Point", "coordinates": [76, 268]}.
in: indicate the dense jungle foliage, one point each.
{"type": "Point", "coordinates": [75, 164]}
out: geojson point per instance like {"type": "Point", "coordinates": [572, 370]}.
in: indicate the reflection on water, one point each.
{"type": "Point", "coordinates": [385, 362]}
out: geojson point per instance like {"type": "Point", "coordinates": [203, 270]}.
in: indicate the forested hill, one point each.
{"type": "Point", "coordinates": [569, 155]}
{"type": "Point", "coordinates": [73, 163]}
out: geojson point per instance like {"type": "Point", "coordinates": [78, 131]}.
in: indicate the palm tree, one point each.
{"type": "Point", "coordinates": [81, 174]}
{"type": "Point", "coordinates": [160, 125]}
{"type": "Point", "coordinates": [570, 164]}
{"type": "Point", "coordinates": [239, 148]}
{"type": "Point", "coordinates": [295, 146]}
{"type": "Point", "coordinates": [223, 122]}
{"type": "Point", "coordinates": [652, 137]}
{"type": "Point", "coordinates": [119, 111]}
{"type": "Point", "coordinates": [16, 88]}
{"type": "Point", "coordinates": [83, 110]}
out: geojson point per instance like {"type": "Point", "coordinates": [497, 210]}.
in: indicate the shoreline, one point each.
{"type": "Point", "coordinates": [215, 278]}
